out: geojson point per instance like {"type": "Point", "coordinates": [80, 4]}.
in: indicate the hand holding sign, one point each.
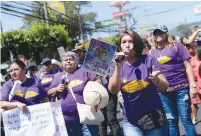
{"type": "Point", "coordinates": [39, 121]}
{"type": "Point", "coordinates": [22, 106]}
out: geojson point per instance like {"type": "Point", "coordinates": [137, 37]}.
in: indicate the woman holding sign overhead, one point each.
{"type": "Point", "coordinates": [138, 78]}
{"type": "Point", "coordinates": [28, 92]}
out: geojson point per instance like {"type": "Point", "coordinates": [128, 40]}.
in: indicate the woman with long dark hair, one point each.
{"type": "Point", "coordinates": [138, 77]}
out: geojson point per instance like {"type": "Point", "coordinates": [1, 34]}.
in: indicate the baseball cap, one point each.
{"type": "Point", "coordinates": [160, 27]}
{"type": "Point", "coordinates": [46, 61]}
{"type": "Point", "coordinates": [79, 46]}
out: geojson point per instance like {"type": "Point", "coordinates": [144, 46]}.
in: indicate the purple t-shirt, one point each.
{"type": "Point", "coordinates": [46, 80]}
{"type": "Point", "coordinates": [77, 82]}
{"type": "Point", "coordinates": [34, 92]}
{"type": "Point", "coordinates": [172, 64]}
{"type": "Point", "coordinates": [139, 93]}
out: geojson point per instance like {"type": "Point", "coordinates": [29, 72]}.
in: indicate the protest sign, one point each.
{"type": "Point", "coordinates": [58, 119]}
{"type": "Point", "coordinates": [99, 57]}
{"type": "Point", "coordinates": [61, 52]}
{"type": "Point", "coordinates": [38, 121]}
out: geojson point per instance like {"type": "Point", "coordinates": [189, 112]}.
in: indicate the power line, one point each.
{"type": "Point", "coordinates": [56, 11]}
{"type": "Point", "coordinates": [33, 16]}
{"type": "Point", "coordinates": [11, 6]}
{"type": "Point", "coordinates": [168, 10]}
{"type": "Point", "coordinates": [12, 14]}
{"type": "Point", "coordinates": [22, 4]}
{"type": "Point", "coordinates": [11, 10]}
{"type": "Point", "coordinates": [68, 17]}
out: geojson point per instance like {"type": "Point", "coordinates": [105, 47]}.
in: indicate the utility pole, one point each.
{"type": "Point", "coordinates": [123, 23]}
{"type": "Point", "coordinates": [46, 13]}
{"type": "Point", "coordinates": [1, 27]}
{"type": "Point", "coordinates": [80, 25]}
{"type": "Point", "coordinates": [124, 18]}
{"type": "Point", "coordinates": [130, 16]}
{"type": "Point", "coordinates": [80, 22]}
{"type": "Point", "coordinates": [2, 34]}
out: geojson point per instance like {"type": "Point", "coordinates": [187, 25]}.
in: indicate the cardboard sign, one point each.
{"type": "Point", "coordinates": [99, 57]}
{"type": "Point", "coordinates": [61, 52]}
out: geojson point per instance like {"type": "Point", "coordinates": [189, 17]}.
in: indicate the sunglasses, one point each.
{"type": "Point", "coordinates": [47, 64]}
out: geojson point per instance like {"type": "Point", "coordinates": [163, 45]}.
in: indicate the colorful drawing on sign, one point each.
{"type": "Point", "coordinates": [99, 57]}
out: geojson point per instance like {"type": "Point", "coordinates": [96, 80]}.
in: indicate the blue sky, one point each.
{"type": "Point", "coordinates": [104, 12]}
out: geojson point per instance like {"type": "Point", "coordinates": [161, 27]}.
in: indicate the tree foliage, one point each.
{"type": "Point", "coordinates": [36, 42]}
{"type": "Point", "coordinates": [112, 40]}
{"type": "Point", "coordinates": [184, 30]}
{"type": "Point", "coordinates": [75, 15]}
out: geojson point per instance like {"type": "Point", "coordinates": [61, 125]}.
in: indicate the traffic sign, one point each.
{"type": "Point", "coordinates": [105, 23]}
{"type": "Point", "coordinates": [120, 14]}
{"type": "Point", "coordinates": [118, 3]}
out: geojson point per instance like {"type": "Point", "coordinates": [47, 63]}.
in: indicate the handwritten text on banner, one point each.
{"type": "Point", "coordinates": [38, 121]}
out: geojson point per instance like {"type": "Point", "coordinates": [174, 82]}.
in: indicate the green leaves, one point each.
{"type": "Point", "coordinates": [38, 40]}
{"type": "Point", "coordinates": [184, 30]}
{"type": "Point", "coordinates": [89, 17]}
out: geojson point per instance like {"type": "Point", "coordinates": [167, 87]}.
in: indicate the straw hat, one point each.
{"type": "Point", "coordinates": [56, 62]}
{"type": "Point", "coordinates": [79, 46]}
{"type": "Point", "coordinates": [95, 94]}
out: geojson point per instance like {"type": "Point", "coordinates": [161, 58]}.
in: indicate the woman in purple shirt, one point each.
{"type": "Point", "coordinates": [174, 60]}
{"type": "Point", "coordinates": [48, 75]}
{"type": "Point", "coordinates": [138, 78]}
{"type": "Point", "coordinates": [30, 92]}
{"type": "Point", "coordinates": [77, 79]}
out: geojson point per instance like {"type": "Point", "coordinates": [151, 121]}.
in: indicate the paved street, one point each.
{"type": "Point", "coordinates": [198, 125]}
{"type": "Point", "coordinates": [182, 131]}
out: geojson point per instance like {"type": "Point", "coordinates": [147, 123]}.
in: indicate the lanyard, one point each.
{"type": "Point", "coordinates": [69, 87]}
